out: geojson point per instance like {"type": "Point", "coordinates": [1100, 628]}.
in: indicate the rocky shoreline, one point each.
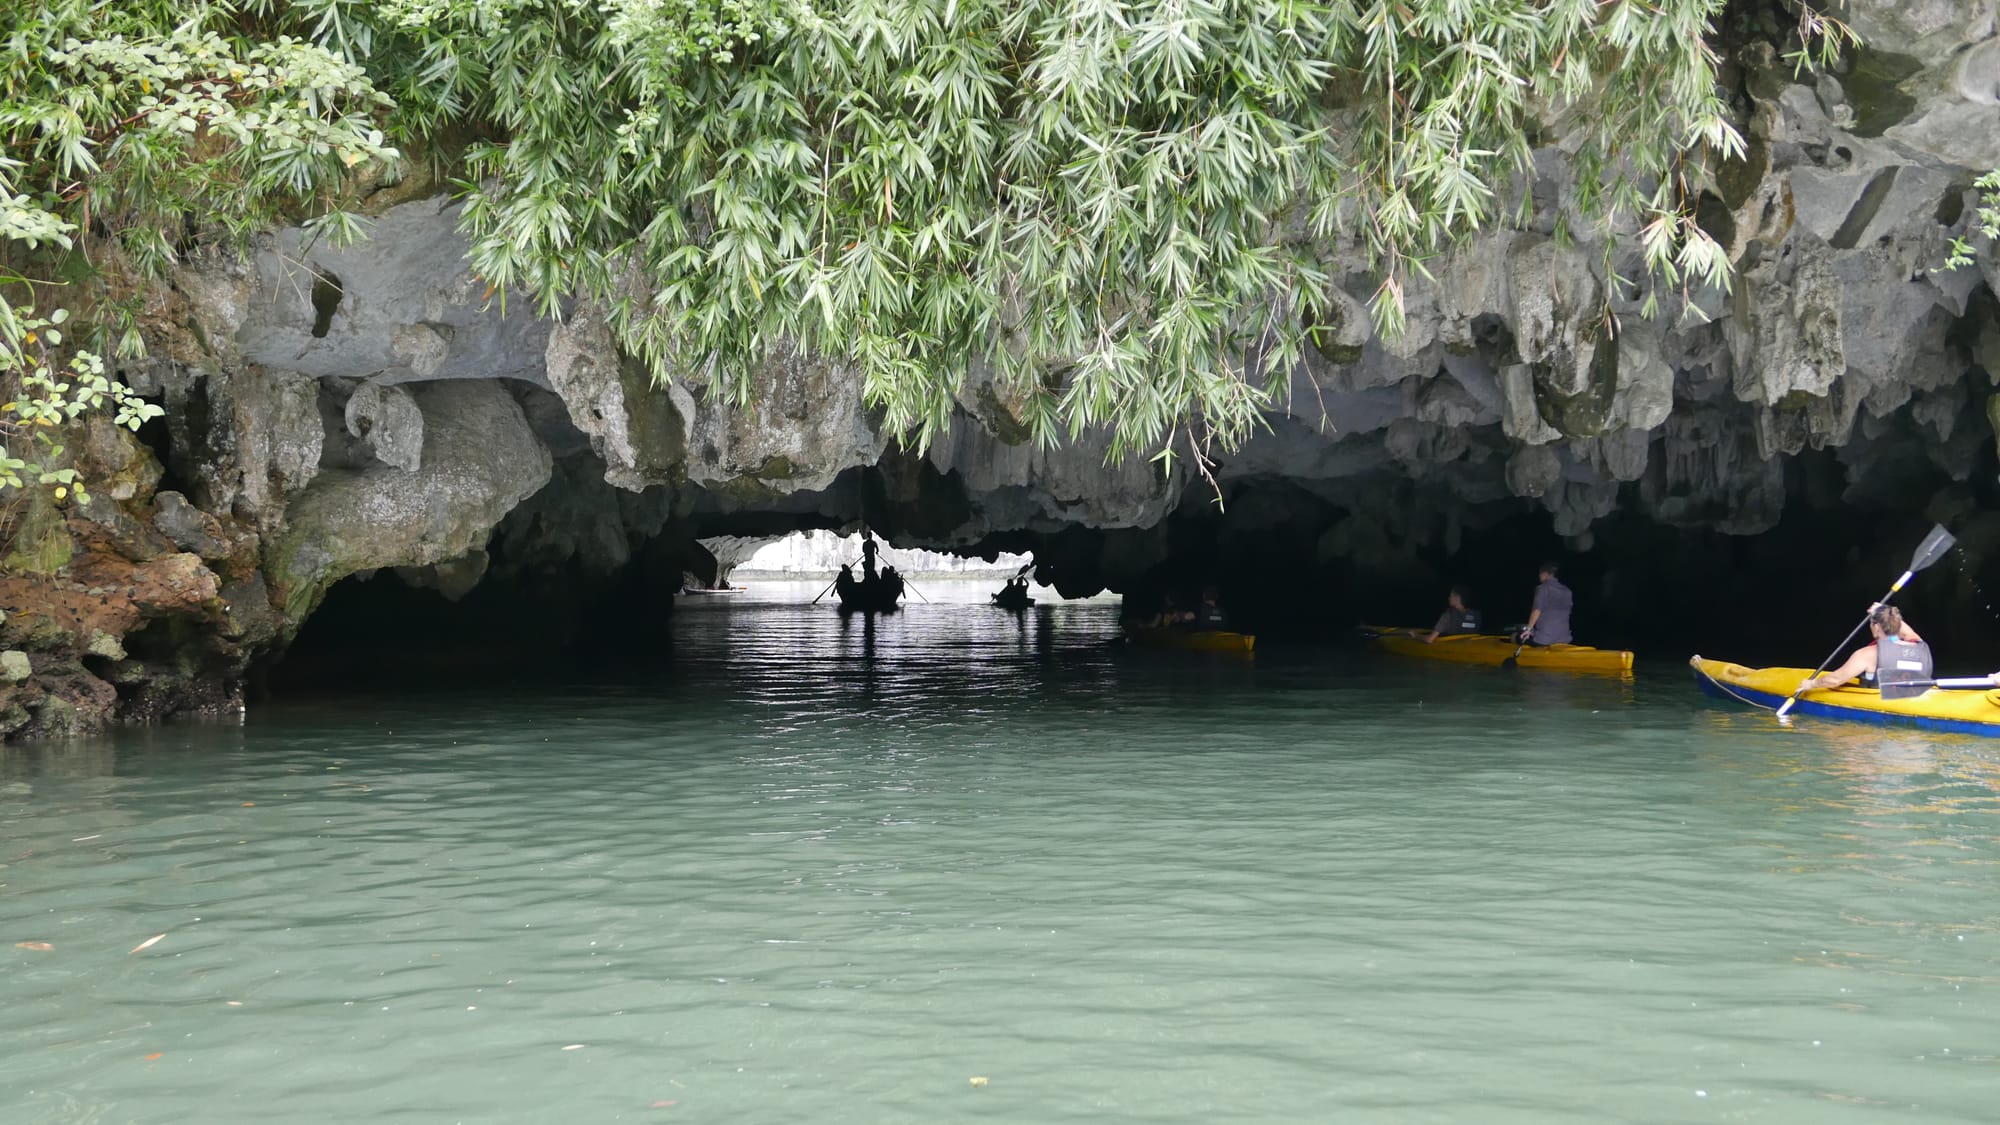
{"type": "Point", "coordinates": [341, 413]}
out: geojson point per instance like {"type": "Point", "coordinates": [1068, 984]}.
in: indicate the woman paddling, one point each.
{"type": "Point", "coordinates": [1894, 638]}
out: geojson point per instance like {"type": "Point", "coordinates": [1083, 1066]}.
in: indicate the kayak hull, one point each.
{"type": "Point", "coordinates": [1191, 640]}
{"type": "Point", "coordinates": [1494, 650]}
{"type": "Point", "coordinates": [1955, 712]}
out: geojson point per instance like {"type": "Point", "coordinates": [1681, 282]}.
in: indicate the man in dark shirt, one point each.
{"type": "Point", "coordinates": [1548, 617]}
{"type": "Point", "coordinates": [1457, 618]}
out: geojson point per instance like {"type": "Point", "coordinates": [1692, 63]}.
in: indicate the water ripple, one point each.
{"type": "Point", "coordinates": [830, 870]}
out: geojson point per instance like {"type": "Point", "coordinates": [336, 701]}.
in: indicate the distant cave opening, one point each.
{"type": "Point", "coordinates": [582, 577]}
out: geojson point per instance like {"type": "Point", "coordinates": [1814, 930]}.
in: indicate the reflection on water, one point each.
{"type": "Point", "coordinates": [829, 869]}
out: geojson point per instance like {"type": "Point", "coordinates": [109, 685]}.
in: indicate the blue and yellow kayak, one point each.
{"type": "Point", "coordinates": [1960, 712]}
{"type": "Point", "coordinates": [1493, 649]}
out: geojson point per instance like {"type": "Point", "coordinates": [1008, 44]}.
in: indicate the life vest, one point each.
{"type": "Point", "coordinates": [1899, 662]}
{"type": "Point", "coordinates": [1469, 621]}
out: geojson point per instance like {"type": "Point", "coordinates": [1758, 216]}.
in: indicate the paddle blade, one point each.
{"type": "Point", "coordinates": [1932, 548]}
{"type": "Point", "coordinates": [1907, 690]}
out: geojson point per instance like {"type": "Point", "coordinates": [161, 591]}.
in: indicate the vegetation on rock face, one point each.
{"type": "Point", "coordinates": [129, 130]}
{"type": "Point", "coordinates": [45, 397]}
{"type": "Point", "coordinates": [1130, 212]}
{"type": "Point", "coordinates": [1986, 220]}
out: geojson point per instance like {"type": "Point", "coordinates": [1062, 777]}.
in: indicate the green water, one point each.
{"type": "Point", "coordinates": [826, 872]}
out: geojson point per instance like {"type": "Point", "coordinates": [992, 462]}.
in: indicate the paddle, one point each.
{"type": "Point", "coordinates": [1909, 689]}
{"type": "Point", "coordinates": [1514, 661]}
{"type": "Point", "coordinates": [1929, 551]}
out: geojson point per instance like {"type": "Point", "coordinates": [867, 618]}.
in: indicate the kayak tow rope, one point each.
{"type": "Point", "coordinates": [1731, 693]}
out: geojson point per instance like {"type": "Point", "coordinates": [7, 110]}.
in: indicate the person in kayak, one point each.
{"type": "Point", "coordinates": [1885, 623]}
{"type": "Point", "coordinates": [1208, 615]}
{"type": "Point", "coordinates": [1458, 617]}
{"type": "Point", "coordinates": [1548, 616]}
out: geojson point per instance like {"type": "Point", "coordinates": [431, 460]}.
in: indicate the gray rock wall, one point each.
{"type": "Point", "coordinates": [335, 412]}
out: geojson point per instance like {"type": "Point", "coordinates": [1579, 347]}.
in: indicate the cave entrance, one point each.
{"type": "Point", "coordinates": [388, 630]}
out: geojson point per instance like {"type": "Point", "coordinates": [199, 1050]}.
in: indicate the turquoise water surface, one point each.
{"type": "Point", "coordinates": [824, 870]}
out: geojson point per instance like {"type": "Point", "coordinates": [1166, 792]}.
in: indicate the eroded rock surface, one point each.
{"type": "Point", "coordinates": [372, 409]}
{"type": "Point", "coordinates": [480, 460]}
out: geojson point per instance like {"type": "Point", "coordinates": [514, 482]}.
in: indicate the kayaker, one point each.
{"type": "Point", "coordinates": [1548, 616]}
{"type": "Point", "coordinates": [1208, 615]}
{"type": "Point", "coordinates": [1458, 617]}
{"type": "Point", "coordinates": [1170, 613]}
{"type": "Point", "coordinates": [1892, 636]}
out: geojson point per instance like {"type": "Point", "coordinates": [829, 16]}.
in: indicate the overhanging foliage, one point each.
{"type": "Point", "coordinates": [1129, 213]}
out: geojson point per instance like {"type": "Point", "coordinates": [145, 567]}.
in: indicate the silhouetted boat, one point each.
{"type": "Point", "coordinates": [1012, 597]}
{"type": "Point", "coordinates": [878, 594]}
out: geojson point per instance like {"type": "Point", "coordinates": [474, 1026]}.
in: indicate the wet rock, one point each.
{"type": "Point", "coordinates": [402, 305]}
{"type": "Point", "coordinates": [106, 646]}
{"type": "Point", "coordinates": [1932, 69]}
{"type": "Point", "coordinates": [480, 459]}
{"type": "Point", "coordinates": [248, 615]}
{"type": "Point", "coordinates": [1533, 470]}
{"type": "Point", "coordinates": [1028, 486]}
{"type": "Point", "coordinates": [387, 422]}
{"type": "Point", "coordinates": [633, 427]}
{"type": "Point", "coordinates": [188, 527]}
{"type": "Point", "coordinates": [452, 579]}
{"type": "Point", "coordinates": [422, 348]}
{"type": "Point", "coordinates": [253, 438]}
{"type": "Point", "coordinates": [806, 425]}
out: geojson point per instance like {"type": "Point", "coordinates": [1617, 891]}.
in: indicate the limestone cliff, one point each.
{"type": "Point", "coordinates": [343, 412]}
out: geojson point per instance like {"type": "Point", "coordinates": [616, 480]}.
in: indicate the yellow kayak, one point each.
{"type": "Point", "coordinates": [1494, 649]}
{"type": "Point", "coordinates": [1961, 712]}
{"type": "Point", "coordinates": [1190, 640]}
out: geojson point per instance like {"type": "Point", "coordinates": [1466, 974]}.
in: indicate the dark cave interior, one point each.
{"type": "Point", "coordinates": [1290, 565]}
